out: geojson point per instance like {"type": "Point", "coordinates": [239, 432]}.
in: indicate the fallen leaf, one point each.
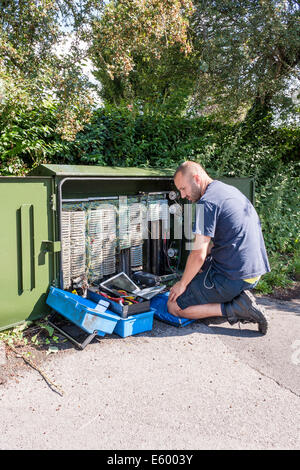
{"type": "Point", "coordinates": [52, 349]}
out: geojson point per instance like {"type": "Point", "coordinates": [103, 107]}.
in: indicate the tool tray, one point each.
{"type": "Point", "coordinates": [124, 311]}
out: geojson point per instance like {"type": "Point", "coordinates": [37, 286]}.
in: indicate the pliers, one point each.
{"type": "Point", "coordinates": [120, 300]}
{"type": "Point", "coordinates": [131, 298]}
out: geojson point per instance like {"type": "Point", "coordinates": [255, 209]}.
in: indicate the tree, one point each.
{"type": "Point", "coordinates": [250, 54]}
{"type": "Point", "coordinates": [33, 68]}
{"type": "Point", "coordinates": [142, 53]}
{"type": "Point", "coordinates": [227, 56]}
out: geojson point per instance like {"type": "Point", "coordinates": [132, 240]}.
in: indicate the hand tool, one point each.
{"type": "Point", "coordinates": [123, 300]}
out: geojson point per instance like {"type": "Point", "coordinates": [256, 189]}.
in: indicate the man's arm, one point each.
{"type": "Point", "coordinates": [194, 263]}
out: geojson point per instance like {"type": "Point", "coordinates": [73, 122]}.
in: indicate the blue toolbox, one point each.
{"type": "Point", "coordinates": [134, 319]}
{"type": "Point", "coordinates": [94, 318]}
{"type": "Point", "coordinates": [135, 324]}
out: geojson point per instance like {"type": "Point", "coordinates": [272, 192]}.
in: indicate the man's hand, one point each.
{"type": "Point", "coordinates": [194, 263]}
{"type": "Point", "coordinates": [176, 291]}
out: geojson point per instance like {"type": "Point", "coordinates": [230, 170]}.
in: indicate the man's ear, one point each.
{"type": "Point", "coordinates": [197, 179]}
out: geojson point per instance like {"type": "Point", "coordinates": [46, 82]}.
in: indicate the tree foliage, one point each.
{"type": "Point", "coordinates": [29, 137]}
{"type": "Point", "coordinates": [33, 68]}
{"type": "Point", "coordinates": [221, 56]}
{"type": "Point", "coordinates": [142, 52]}
{"type": "Point", "coordinates": [250, 53]}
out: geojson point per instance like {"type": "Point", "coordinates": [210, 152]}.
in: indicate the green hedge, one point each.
{"type": "Point", "coordinates": [118, 137]}
{"type": "Point", "coordinates": [122, 137]}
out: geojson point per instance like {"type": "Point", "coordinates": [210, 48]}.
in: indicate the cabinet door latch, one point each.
{"type": "Point", "coordinates": [51, 247]}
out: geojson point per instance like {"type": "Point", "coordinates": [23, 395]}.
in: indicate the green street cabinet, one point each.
{"type": "Point", "coordinates": [33, 233]}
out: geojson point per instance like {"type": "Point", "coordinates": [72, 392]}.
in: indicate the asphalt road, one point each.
{"type": "Point", "coordinates": [197, 387]}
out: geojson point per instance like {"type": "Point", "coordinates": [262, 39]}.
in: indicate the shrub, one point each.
{"type": "Point", "coordinates": [28, 138]}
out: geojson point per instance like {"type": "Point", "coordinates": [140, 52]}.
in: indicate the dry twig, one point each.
{"type": "Point", "coordinates": [28, 361]}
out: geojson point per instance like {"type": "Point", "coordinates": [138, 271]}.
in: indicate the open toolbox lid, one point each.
{"type": "Point", "coordinates": [81, 311]}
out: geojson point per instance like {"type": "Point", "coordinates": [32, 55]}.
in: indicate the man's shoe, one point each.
{"type": "Point", "coordinates": [244, 309]}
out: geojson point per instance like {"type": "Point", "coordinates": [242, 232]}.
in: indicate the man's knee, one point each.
{"type": "Point", "coordinates": [173, 308]}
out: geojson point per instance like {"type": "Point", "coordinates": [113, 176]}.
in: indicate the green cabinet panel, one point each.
{"type": "Point", "coordinates": [27, 264]}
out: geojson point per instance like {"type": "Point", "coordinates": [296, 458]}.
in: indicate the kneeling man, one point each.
{"type": "Point", "coordinates": [228, 255]}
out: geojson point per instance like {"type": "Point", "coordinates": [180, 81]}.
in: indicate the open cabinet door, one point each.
{"type": "Point", "coordinates": [27, 252]}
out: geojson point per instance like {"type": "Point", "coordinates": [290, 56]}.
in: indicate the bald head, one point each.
{"type": "Point", "coordinates": [191, 180]}
{"type": "Point", "coordinates": [190, 168]}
